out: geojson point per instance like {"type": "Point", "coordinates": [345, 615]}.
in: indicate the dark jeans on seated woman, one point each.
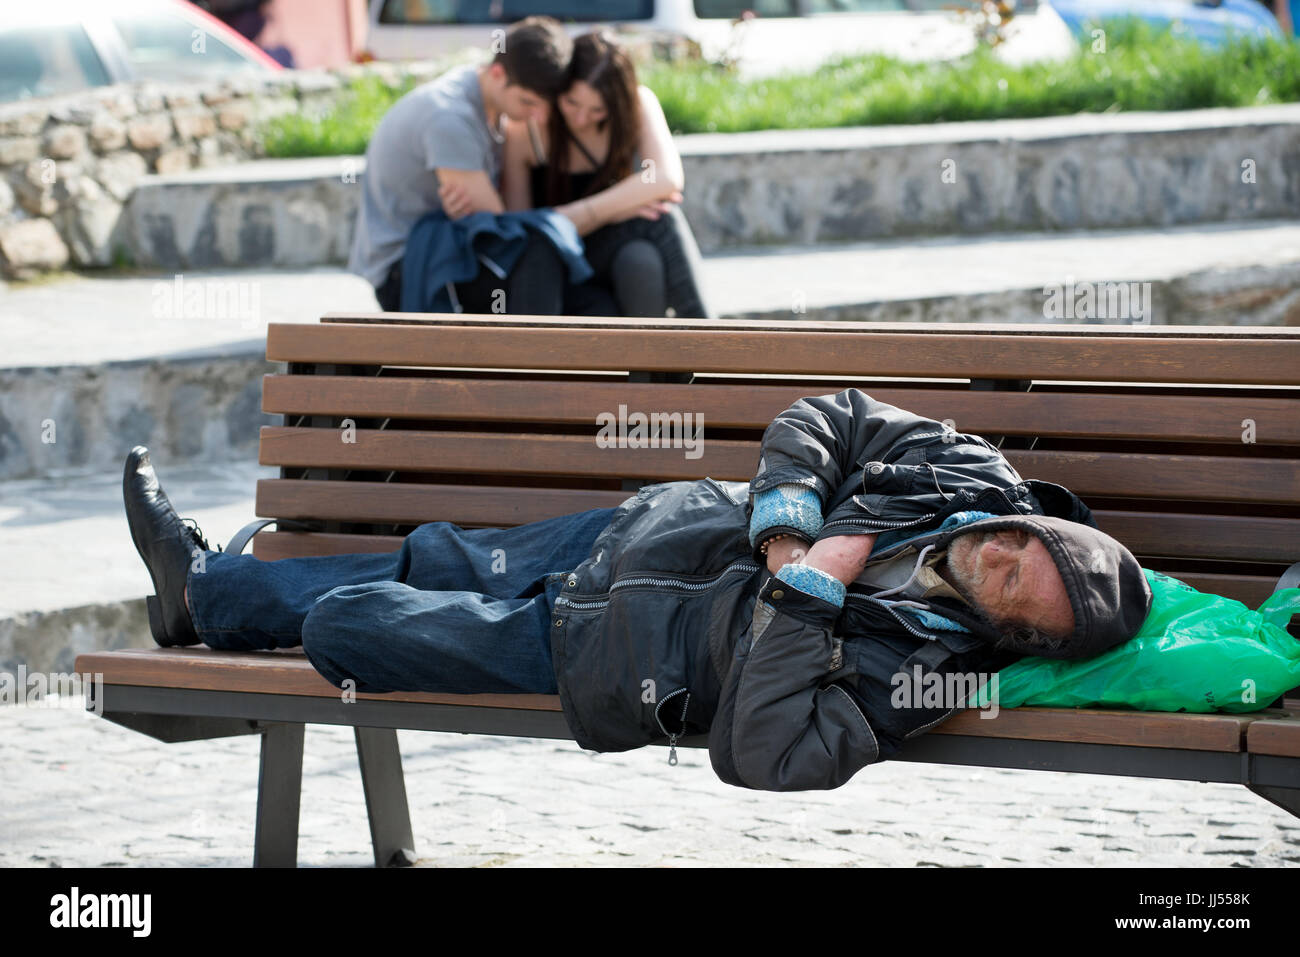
{"type": "Point", "coordinates": [534, 287]}
{"type": "Point", "coordinates": [644, 267]}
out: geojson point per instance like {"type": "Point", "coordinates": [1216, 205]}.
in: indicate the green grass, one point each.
{"type": "Point", "coordinates": [344, 131]}
{"type": "Point", "coordinates": [1142, 69]}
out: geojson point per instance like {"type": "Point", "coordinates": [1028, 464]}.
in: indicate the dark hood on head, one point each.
{"type": "Point", "coordinates": [1108, 592]}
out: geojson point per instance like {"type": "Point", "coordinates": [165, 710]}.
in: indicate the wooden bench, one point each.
{"type": "Point", "coordinates": [454, 415]}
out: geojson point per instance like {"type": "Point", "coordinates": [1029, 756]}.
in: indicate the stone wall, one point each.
{"type": "Point", "coordinates": [204, 409]}
{"type": "Point", "coordinates": [68, 164]}
{"type": "Point", "coordinates": [805, 187]}
{"type": "Point", "coordinates": [1083, 172]}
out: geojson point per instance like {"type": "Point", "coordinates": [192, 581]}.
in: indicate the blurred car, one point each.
{"type": "Point", "coordinates": [61, 46]}
{"type": "Point", "coordinates": [782, 35]}
{"type": "Point", "coordinates": [1211, 23]}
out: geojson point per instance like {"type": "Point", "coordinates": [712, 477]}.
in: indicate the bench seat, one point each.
{"type": "Point", "coordinates": [288, 672]}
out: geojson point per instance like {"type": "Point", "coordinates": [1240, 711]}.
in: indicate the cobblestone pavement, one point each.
{"type": "Point", "coordinates": [81, 791]}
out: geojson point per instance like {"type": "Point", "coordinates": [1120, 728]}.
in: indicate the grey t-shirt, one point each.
{"type": "Point", "coordinates": [441, 123]}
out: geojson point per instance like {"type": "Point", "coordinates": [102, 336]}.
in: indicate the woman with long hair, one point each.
{"type": "Point", "coordinates": [606, 149]}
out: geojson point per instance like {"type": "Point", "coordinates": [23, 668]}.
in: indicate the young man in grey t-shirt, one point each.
{"type": "Point", "coordinates": [447, 133]}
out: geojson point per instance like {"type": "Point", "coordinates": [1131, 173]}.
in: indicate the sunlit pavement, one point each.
{"type": "Point", "coordinates": [81, 791]}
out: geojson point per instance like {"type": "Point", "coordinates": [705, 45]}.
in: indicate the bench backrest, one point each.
{"type": "Point", "coordinates": [1184, 440]}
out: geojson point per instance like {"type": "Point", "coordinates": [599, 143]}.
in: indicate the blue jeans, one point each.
{"type": "Point", "coordinates": [633, 286]}
{"type": "Point", "coordinates": [455, 610]}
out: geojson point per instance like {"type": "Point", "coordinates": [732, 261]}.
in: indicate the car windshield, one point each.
{"type": "Point", "coordinates": [507, 11]}
{"type": "Point", "coordinates": [161, 45]}
{"type": "Point", "coordinates": [47, 61]}
{"type": "Point", "coordinates": [732, 9]}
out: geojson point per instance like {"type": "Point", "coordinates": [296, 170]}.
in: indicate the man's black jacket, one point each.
{"type": "Point", "coordinates": [653, 635]}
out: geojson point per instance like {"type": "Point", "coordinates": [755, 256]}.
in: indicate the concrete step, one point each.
{"type": "Point", "coordinates": [1090, 171]}
{"type": "Point", "coordinates": [89, 369]}
{"type": "Point", "coordinates": [1216, 274]}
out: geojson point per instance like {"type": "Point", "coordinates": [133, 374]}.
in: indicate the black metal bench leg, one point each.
{"type": "Point", "coordinates": [381, 777]}
{"type": "Point", "coordinates": [1286, 798]}
{"type": "Point", "coordinates": [279, 791]}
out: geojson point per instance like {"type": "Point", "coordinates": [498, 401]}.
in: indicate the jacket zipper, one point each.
{"type": "Point", "coordinates": [879, 522]}
{"type": "Point", "coordinates": [672, 738]}
{"type": "Point", "coordinates": [889, 608]}
{"type": "Point", "coordinates": [919, 635]}
{"type": "Point", "coordinates": [492, 265]}
{"type": "Point", "coordinates": [591, 603]}
{"type": "Point", "coordinates": [685, 585]}
{"type": "Point", "coordinates": [886, 523]}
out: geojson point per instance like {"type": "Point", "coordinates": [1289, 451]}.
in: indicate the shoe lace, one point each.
{"type": "Point", "coordinates": [198, 535]}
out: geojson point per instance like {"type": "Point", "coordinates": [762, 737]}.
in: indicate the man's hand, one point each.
{"type": "Point", "coordinates": [465, 191]}
{"type": "Point", "coordinates": [786, 551]}
{"type": "Point", "coordinates": [455, 200]}
{"type": "Point", "coordinates": [650, 211]}
{"type": "Point", "coordinates": [843, 556]}
{"type": "Point", "coordinates": [579, 213]}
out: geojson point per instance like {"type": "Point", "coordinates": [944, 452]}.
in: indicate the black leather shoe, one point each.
{"type": "Point", "coordinates": [166, 544]}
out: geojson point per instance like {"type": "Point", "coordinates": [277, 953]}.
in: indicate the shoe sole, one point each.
{"type": "Point", "coordinates": [130, 471]}
{"type": "Point", "coordinates": [153, 604]}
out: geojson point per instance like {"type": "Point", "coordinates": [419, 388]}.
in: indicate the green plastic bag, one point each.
{"type": "Point", "coordinates": [1194, 652]}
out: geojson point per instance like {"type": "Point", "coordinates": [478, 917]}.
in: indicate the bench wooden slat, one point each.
{"type": "Point", "coordinates": [502, 453]}
{"type": "Point", "coordinates": [1130, 358]}
{"type": "Point", "coordinates": [1067, 329]}
{"type": "Point", "coordinates": [1196, 477]}
{"type": "Point", "coordinates": [286, 671]}
{"type": "Point", "coordinates": [496, 506]}
{"type": "Point", "coordinates": [1069, 414]}
{"type": "Point", "coordinates": [1146, 729]}
{"type": "Point", "coordinates": [273, 546]}
{"type": "Point", "coordinates": [1172, 534]}
{"type": "Point", "coordinates": [1279, 736]}
{"type": "Point", "coordinates": [289, 672]}
{"type": "Point", "coordinates": [1250, 590]}
{"type": "Point", "coordinates": [1243, 538]}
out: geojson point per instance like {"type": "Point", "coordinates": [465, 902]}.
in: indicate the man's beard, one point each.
{"type": "Point", "coordinates": [965, 585]}
{"type": "Point", "coordinates": [1011, 636]}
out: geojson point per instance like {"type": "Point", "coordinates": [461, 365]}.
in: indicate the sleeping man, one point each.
{"type": "Point", "coordinates": [872, 548]}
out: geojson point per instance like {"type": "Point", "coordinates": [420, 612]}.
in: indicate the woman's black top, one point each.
{"type": "Point", "coordinates": [579, 183]}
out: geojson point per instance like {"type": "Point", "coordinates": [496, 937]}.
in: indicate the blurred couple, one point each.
{"type": "Point", "coordinates": [545, 182]}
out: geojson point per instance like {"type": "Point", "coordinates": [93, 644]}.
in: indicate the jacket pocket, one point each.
{"type": "Point", "coordinates": [737, 493]}
{"type": "Point", "coordinates": [959, 642]}
{"type": "Point", "coordinates": [782, 724]}
{"type": "Point", "coordinates": [763, 615]}
{"type": "Point", "coordinates": [897, 510]}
